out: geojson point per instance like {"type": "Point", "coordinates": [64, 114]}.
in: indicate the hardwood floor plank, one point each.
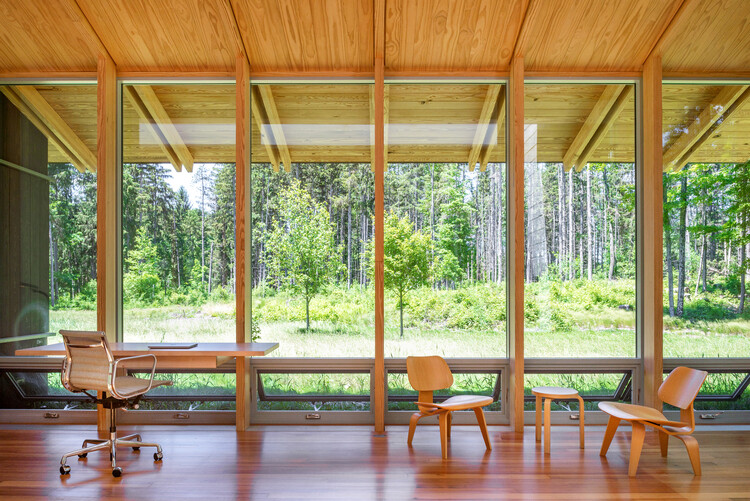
{"type": "Point", "coordinates": [345, 463]}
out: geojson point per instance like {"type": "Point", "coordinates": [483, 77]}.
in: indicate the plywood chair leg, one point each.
{"type": "Point", "coordinates": [691, 444]}
{"type": "Point", "coordinates": [612, 425]}
{"type": "Point", "coordinates": [664, 443]}
{"type": "Point", "coordinates": [450, 424]}
{"type": "Point", "coordinates": [412, 426]}
{"type": "Point", "coordinates": [443, 420]}
{"type": "Point", "coordinates": [483, 426]}
{"type": "Point", "coordinates": [636, 445]}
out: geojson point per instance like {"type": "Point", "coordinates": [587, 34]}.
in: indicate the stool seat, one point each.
{"type": "Point", "coordinates": [550, 393]}
{"type": "Point", "coordinates": [554, 392]}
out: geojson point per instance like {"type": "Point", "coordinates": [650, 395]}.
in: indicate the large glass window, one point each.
{"type": "Point", "coordinates": [580, 220]}
{"type": "Point", "coordinates": [48, 228]}
{"type": "Point", "coordinates": [706, 222]}
{"type": "Point", "coordinates": [445, 222]}
{"type": "Point", "coordinates": [178, 212]}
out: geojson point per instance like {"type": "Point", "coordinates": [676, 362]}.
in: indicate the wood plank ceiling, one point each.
{"type": "Point", "coordinates": [422, 38]}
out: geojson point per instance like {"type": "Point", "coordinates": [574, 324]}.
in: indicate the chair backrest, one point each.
{"type": "Point", "coordinates": [88, 361]}
{"type": "Point", "coordinates": [428, 373]}
{"type": "Point", "coordinates": [682, 386]}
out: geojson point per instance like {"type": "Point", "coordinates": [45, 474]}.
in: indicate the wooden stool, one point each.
{"type": "Point", "coordinates": [550, 393]}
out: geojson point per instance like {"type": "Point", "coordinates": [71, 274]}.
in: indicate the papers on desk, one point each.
{"type": "Point", "coordinates": [172, 346]}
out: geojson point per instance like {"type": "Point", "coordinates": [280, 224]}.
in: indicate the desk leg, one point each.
{"type": "Point", "coordinates": [547, 423]}
{"type": "Point", "coordinates": [538, 418]}
{"type": "Point", "coordinates": [243, 393]}
{"type": "Point", "coordinates": [102, 419]}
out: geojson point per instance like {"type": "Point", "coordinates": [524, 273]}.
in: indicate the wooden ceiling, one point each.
{"type": "Point", "coordinates": [296, 37]}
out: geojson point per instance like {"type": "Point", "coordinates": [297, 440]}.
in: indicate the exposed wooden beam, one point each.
{"type": "Point", "coordinates": [386, 116]}
{"type": "Point", "coordinates": [75, 7]}
{"type": "Point", "coordinates": [715, 128]}
{"type": "Point", "coordinates": [167, 129]}
{"type": "Point", "coordinates": [606, 124]}
{"type": "Point", "coordinates": [481, 138]}
{"type": "Point", "coordinates": [673, 20]}
{"type": "Point", "coordinates": [143, 112]}
{"type": "Point", "coordinates": [57, 126]}
{"type": "Point", "coordinates": [275, 124]}
{"type": "Point", "coordinates": [698, 129]}
{"type": "Point", "coordinates": [260, 118]}
{"type": "Point", "coordinates": [236, 31]}
{"type": "Point", "coordinates": [494, 130]}
{"type": "Point", "coordinates": [16, 100]}
{"type": "Point", "coordinates": [591, 125]}
{"type": "Point", "coordinates": [519, 44]}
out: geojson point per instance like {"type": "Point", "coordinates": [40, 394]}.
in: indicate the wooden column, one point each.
{"type": "Point", "coordinates": [515, 242]}
{"type": "Point", "coordinates": [378, 396]}
{"type": "Point", "coordinates": [652, 232]}
{"type": "Point", "coordinates": [107, 241]}
{"type": "Point", "coordinates": [242, 287]}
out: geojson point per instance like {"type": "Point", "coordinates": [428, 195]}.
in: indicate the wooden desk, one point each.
{"type": "Point", "coordinates": [203, 356]}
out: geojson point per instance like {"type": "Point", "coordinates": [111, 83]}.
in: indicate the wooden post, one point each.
{"type": "Point", "coordinates": [107, 244]}
{"type": "Point", "coordinates": [242, 287]}
{"type": "Point", "coordinates": [652, 227]}
{"type": "Point", "coordinates": [515, 242]}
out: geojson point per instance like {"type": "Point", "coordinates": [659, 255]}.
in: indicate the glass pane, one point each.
{"type": "Point", "coordinates": [592, 387]}
{"type": "Point", "coordinates": [178, 209]}
{"type": "Point", "coordinates": [580, 220]}
{"type": "Point", "coordinates": [47, 221]}
{"type": "Point", "coordinates": [314, 392]}
{"type": "Point", "coordinates": [706, 220]}
{"type": "Point", "coordinates": [313, 197]}
{"type": "Point", "coordinates": [445, 221]}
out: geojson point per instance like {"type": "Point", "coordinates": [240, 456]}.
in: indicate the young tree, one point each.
{"type": "Point", "coordinates": [301, 250]}
{"type": "Point", "coordinates": [406, 259]}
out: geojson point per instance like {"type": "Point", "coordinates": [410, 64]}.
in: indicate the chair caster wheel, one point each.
{"type": "Point", "coordinates": [136, 449]}
{"type": "Point", "coordinates": [64, 470]}
{"type": "Point", "coordinates": [81, 456]}
{"type": "Point", "coordinates": [158, 456]}
{"type": "Point", "coordinates": [117, 472]}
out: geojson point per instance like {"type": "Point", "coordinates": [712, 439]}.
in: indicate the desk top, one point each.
{"type": "Point", "coordinates": [132, 349]}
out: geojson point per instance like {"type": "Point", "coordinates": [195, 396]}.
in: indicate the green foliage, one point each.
{"type": "Point", "coordinates": [141, 280]}
{"type": "Point", "coordinates": [480, 306]}
{"type": "Point", "coordinates": [303, 257]}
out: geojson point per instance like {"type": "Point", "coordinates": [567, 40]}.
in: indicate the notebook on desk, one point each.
{"type": "Point", "coordinates": [172, 346]}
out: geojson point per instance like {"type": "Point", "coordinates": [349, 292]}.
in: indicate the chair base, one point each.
{"type": "Point", "coordinates": [110, 445]}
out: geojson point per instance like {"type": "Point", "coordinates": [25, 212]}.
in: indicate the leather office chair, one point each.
{"type": "Point", "coordinates": [90, 366]}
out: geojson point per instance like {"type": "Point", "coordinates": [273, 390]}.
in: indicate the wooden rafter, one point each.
{"type": "Point", "coordinates": [720, 108]}
{"type": "Point", "coordinates": [143, 112]}
{"type": "Point", "coordinates": [591, 125]}
{"type": "Point", "coordinates": [494, 130]}
{"type": "Point", "coordinates": [162, 120]}
{"type": "Point", "coordinates": [275, 124]}
{"type": "Point", "coordinates": [481, 136]}
{"type": "Point", "coordinates": [386, 116]}
{"type": "Point", "coordinates": [261, 119]}
{"type": "Point", "coordinates": [33, 105]}
{"type": "Point", "coordinates": [601, 132]}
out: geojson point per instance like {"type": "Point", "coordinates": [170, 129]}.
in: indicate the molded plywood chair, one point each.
{"type": "Point", "coordinates": [679, 389]}
{"type": "Point", "coordinates": [427, 374]}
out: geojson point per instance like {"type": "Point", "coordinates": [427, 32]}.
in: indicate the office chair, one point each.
{"type": "Point", "coordinates": [90, 366]}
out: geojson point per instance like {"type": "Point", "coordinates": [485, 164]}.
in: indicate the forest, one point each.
{"type": "Point", "coordinates": [312, 233]}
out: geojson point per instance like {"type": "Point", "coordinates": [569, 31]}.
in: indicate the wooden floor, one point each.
{"type": "Point", "coordinates": [351, 463]}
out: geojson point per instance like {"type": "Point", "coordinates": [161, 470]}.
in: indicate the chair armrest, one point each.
{"type": "Point", "coordinates": [136, 357]}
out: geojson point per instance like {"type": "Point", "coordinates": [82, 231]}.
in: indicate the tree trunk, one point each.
{"type": "Point", "coordinates": [590, 264]}
{"type": "Point", "coordinates": [210, 267]}
{"type": "Point", "coordinates": [681, 248]}
{"type": "Point", "coordinates": [668, 243]}
{"type": "Point", "coordinates": [571, 228]}
{"type": "Point", "coordinates": [401, 310]}
{"type": "Point", "coordinates": [743, 272]}
{"type": "Point", "coordinates": [560, 221]}
{"type": "Point", "coordinates": [307, 313]}
{"type": "Point", "coordinates": [349, 244]}
{"type": "Point", "coordinates": [704, 248]}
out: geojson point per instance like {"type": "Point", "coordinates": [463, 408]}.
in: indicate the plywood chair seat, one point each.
{"type": "Point", "coordinates": [631, 412]}
{"type": "Point", "coordinates": [428, 374]}
{"type": "Point", "coordinates": [679, 389]}
{"type": "Point", "coordinates": [459, 403]}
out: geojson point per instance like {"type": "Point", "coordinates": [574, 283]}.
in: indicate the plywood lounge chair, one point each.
{"type": "Point", "coordinates": [427, 374]}
{"type": "Point", "coordinates": [679, 389]}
